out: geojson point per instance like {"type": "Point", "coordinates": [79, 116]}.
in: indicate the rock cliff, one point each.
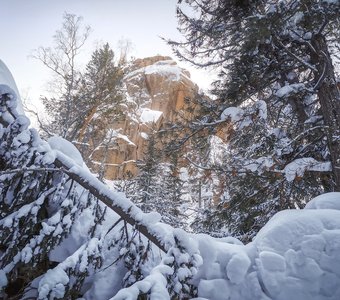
{"type": "Point", "coordinates": [158, 92]}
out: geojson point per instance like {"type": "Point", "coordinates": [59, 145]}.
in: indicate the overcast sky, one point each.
{"type": "Point", "coordinates": [27, 24]}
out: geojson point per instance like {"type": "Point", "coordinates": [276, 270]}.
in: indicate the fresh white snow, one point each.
{"type": "Point", "coordinates": [234, 113]}
{"type": "Point", "coordinates": [60, 144]}
{"type": "Point", "coordinates": [287, 90]}
{"type": "Point", "coordinates": [6, 78]}
{"type": "Point", "coordinates": [299, 166]}
{"type": "Point", "coordinates": [172, 72]}
{"type": "Point", "coordinates": [244, 116]}
{"type": "Point", "coordinates": [325, 201]}
{"type": "Point", "coordinates": [295, 256]}
{"type": "Point", "coordinates": [166, 68]}
{"type": "Point", "coordinates": [149, 115]}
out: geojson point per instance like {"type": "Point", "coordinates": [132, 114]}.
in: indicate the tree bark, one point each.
{"type": "Point", "coordinates": [86, 123]}
{"type": "Point", "coordinates": [329, 99]}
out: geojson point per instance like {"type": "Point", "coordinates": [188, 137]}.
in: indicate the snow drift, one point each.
{"type": "Point", "coordinates": [6, 78]}
{"type": "Point", "coordinates": [295, 256]}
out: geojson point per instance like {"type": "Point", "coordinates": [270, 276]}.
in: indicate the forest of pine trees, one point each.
{"type": "Point", "coordinates": [65, 235]}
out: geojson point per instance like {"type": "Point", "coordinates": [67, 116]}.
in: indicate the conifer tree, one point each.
{"type": "Point", "coordinates": [145, 187]}
{"type": "Point", "coordinates": [39, 208]}
{"type": "Point", "coordinates": [100, 96]}
{"type": "Point", "coordinates": [171, 193]}
{"type": "Point", "coordinates": [274, 60]}
{"type": "Point", "coordinates": [158, 185]}
{"type": "Point", "coordinates": [101, 91]}
{"type": "Point", "coordinates": [78, 97]}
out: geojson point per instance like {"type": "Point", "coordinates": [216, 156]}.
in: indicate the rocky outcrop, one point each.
{"type": "Point", "coordinates": [158, 92]}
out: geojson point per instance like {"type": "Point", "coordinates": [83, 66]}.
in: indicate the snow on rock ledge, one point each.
{"type": "Point", "coordinates": [158, 92]}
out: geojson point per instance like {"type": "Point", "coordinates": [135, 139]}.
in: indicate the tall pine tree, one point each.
{"type": "Point", "coordinates": [276, 66]}
{"type": "Point", "coordinates": [101, 91]}
{"type": "Point", "coordinates": [100, 98]}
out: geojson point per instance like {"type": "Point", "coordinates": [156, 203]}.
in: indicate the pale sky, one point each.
{"type": "Point", "coordinates": [27, 24]}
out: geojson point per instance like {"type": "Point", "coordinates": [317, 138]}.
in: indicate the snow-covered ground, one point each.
{"type": "Point", "coordinates": [295, 256]}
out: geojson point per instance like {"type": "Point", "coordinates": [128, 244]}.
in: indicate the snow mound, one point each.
{"type": "Point", "coordinates": [60, 144]}
{"type": "Point", "coordinates": [6, 78]}
{"type": "Point", "coordinates": [295, 256]}
{"type": "Point", "coordinates": [325, 201]}
{"type": "Point", "coordinates": [298, 252]}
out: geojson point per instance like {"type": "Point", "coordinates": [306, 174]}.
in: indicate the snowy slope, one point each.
{"type": "Point", "coordinates": [295, 256]}
{"type": "Point", "coordinates": [6, 78]}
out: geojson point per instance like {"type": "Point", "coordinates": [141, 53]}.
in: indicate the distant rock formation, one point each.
{"type": "Point", "coordinates": [157, 92]}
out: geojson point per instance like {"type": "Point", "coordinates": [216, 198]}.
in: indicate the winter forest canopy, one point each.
{"type": "Point", "coordinates": [236, 195]}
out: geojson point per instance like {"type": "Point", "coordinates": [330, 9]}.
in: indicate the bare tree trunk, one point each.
{"type": "Point", "coordinates": [86, 123]}
{"type": "Point", "coordinates": [329, 98]}
{"type": "Point", "coordinates": [200, 193]}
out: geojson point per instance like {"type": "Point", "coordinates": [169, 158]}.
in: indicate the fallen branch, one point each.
{"type": "Point", "coordinates": [103, 194]}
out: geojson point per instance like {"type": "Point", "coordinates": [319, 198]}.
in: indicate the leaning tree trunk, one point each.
{"type": "Point", "coordinates": [329, 99]}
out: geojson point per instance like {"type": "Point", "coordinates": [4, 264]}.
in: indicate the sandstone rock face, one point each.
{"type": "Point", "coordinates": [157, 92]}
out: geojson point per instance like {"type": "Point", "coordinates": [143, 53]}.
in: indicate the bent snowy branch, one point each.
{"type": "Point", "coordinates": [123, 207]}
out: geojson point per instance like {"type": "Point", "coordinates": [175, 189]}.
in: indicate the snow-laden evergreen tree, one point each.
{"type": "Point", "coordinates": [171, 193]}
{"type": "Point", "coordinates": [278, 88]}
{"type": "Point", "coordinates": [144, 189]}
{"type": "Point", "coordinates": [39, 206]}
{"type": "Point", "coordinates": [158, 186]}
{"type": "Point", "coordinates": [58, 241]}
{"type": "Point", "coordinates": [100, 97]}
